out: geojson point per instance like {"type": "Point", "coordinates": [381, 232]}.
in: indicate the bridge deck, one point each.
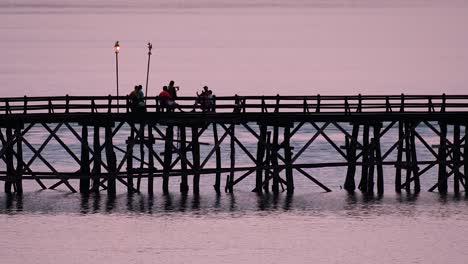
{"type": "Point", "coordinates": [361, 120]}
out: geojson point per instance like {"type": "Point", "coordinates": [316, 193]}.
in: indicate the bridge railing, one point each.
{"type": "Point", "coordinates": [241, 104]}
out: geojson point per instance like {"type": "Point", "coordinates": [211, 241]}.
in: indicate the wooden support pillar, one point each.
{"type": "Point", "coordinates": [456, 158]}
{"type": "Point", "coordinates": [408, 149]}
{"type": "Point", "coordinates": [85, 170]}
{"type": "Point", "coordinates": [399, 157]}
{"type": "Point", "coordinates": [183, 161]}
{"type": "Point", "coordinates": [414, 160]}
{"type": "Point", "coordinates": [19, 161]}
{"type": "Point", "coordinates": [141, 137]}
{"type": "Point", "coordinates": [130, 145]}
{"type": "Point", "coordinates": [370, 177]}
{"type": "Point", "coordinates": [266, 185]}
{"type": "Point", "coordinates": [442, 177]}
{"type": "Point", "coordinates": [217, 185]}
{"type": "Point", "coordinates": [378, 159]}
{"type": "Point", "coordinates": [196, 160]}
{"type": "Point", "coordinates": [111, 162]}
{"type": "Point", "coordinates": [349, 184]}
{"type": "Point", "coordinates": [261, 146]}
{"type": "Point", "coordinates": [9, 161]}
{"type": "Point", "coordinates": [232, 158]}
{"type": "Point", "coordinates": [150, 160]}
{"type": "Point", "coordinates": [465, 159]}
{"type": "Point", "coordinates": [167, 157]}
{"type": "Point", "coordinates": [96, 159]}
{"type": "Point", "coordinates": [274, 159]}
{"type": "Point", "coordinates": [287, 160]}
{"type": "Point", "coordinates": [365, 159]}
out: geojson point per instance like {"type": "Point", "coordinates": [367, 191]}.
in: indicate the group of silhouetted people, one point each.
{"type": "Point", "coordinates": [167, 99]}
{"type": "Point", "coordinates": [137, 99]}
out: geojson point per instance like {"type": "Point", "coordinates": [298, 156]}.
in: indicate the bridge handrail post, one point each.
{"type": "Point", "coordinates": [347, 111]}
{"type": "Point", "coordinates": [214, 104]}
{"type": "Point", "coordinates": [127, 103]}
{"type": "Point", "coordinates": [7, 106]}
{"type": "Point", "coordinates": [305, 106]}
{"type": "Point", "coordinates": [264, 109]}
{"type": "Point", "coordinates": [25, 104]}
{"type": "Point", "coordinates": [430, 105]}
{"type": "Point", "coordinates": [402, 102]}
{"type": "Point", "coordinates": [442, 109]}
{"type": "Point", "coordinates": [388, 106]}
{"type": "Point", "coordinates": [50, 106]}
{"type": "Point", "coordinates": [67, 104]}
{"type": "Point", "coordinates": [157, 104]}
{"type": "Point", "coordinates": [317, 109]}
{"type": "Point", "coordinates": [93, 106]}
{"type": "Point", "coordinates": [277, 103]}
{"type": "Point", "coordinates": [109, 103]}
{"type": "Point", "coordinates": [359, 108]}
{"type": "Point", "coordinates": [244, 102]}
{"type": "Point", "coordinates": [236, 104]}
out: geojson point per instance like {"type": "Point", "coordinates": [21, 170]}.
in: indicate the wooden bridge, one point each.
{"type": "Point", "coordinates": [273, 121]}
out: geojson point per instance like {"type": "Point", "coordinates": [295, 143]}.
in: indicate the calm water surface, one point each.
{"type": "Point", "coordinates": [52, 47]}
{"type": "Point", "coordinates": [53, 227]}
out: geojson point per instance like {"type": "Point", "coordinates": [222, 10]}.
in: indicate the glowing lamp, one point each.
{"type": "Point", "coordinates": [117, 47]}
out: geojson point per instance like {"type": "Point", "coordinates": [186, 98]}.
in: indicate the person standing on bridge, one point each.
{"type": "Point", "coordinates": [137, 99]}
{"type": "Point", "coordinates": [141, 106]}
{"type": "Point", "coordinates": [133, 99]}
{"type": "Point", "coordinates": [165, 99]}
{"type": "Point", "coordinates": [172, 90]}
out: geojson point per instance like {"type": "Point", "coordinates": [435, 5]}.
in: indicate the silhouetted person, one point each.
{"type": "Point", "coordinates": [141, 106]}
{"type": "Point", "coordinates": [133, 96]}
{"type": "Point", "coordinates": [204, 100]}
{"type": "Point", "coordinates": [165, 99]}
{"type": "Point", "coordinates": [172, 90]}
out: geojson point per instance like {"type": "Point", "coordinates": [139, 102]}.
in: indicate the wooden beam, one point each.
{"type": "Point", "coordinates": [217, 185]}
{"type": "Point", "coordinates": [150, 160]}
{"type": "Point", "coordinates": [18, 183]}
{"type": "Point", "coordinates": [378, 159]}
{"type": "Point", "coordinates": [287, 157]}
{"type": "Point", "coordinates": [261, 149]}
{"type": "Point", "coordinates": [9, 161]}
{"type": "Point", "coordinates": [84, 162]}
{"type": "Point", "coordinates": [465, 159]}
{"type": "Point", "coordinates": [196, 160]}
{"type": "Point", "coordinates": [167, 157]}
{"type": "Point", "coordinates": [442, 177]}
{"type": "Point", "coordinates": [96, 159]}
{"type": "Point", "coordinates": [398, 166]}
{"type": "Point", "coordinates": [111, 162]}
{"type": "Point", "coordinates": [129, 157]}
{"type": "Point", "coordinates": [184, 188]}
{"type": "Point", "coordinates": [456, 158]}
{"type": "Point", "coordinates": [274, 159]}
{"type": "Point", "coordinates": [350, 184]}
{"type": "Point", "coordinates": [365, 159]}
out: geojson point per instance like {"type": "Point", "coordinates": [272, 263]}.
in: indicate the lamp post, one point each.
{"type": "Point", "coordinates": [150, 47]}
{"type": "Point", "coordinates": [117, 50]}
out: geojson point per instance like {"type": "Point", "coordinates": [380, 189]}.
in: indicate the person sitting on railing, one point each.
{"type": "Point", "coordinates": [165, 99]}
{"type": "Point", "coordinates": [204, 100]}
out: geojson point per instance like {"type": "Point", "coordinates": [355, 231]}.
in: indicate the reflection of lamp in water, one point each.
{"type": "Point", "coordinates": [117, 50]}
{"type": "Point", "coordinates": [150, 47]}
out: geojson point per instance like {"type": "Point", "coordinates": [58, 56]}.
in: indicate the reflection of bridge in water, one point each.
{"type": "Point", "coordinates": [273, 121]}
